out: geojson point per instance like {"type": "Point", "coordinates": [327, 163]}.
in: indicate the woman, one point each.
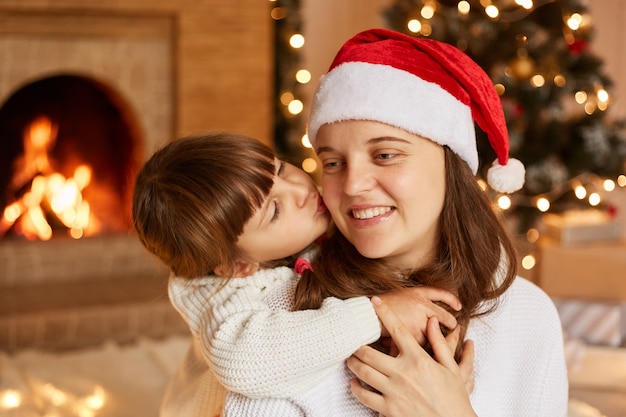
{"type": "Point", "coordinates": [393, 125]}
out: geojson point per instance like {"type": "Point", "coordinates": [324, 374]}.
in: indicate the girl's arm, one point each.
{"type": "Point", "coordinates": [259, 352]}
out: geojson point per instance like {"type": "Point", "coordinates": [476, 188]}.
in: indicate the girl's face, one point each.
{"type": "Point", "coordinates": [384, 188]}
{"type": "Point", "coordinates": [291, 218]}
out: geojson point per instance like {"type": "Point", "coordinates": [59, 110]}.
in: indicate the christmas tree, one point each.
{"type": "Point", "coordinates": [552, 87]}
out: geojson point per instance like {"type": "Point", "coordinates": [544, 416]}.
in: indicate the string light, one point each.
{"type": "Point", "coordinates": [296, 41]}
{"type": "Point", "coordinates": [463, 7]}
{"type": "Point", "coordinates": [492, 11]}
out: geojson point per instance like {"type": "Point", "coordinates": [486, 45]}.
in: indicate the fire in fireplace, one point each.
{"type": "Point", "coordinates": [69, 149]}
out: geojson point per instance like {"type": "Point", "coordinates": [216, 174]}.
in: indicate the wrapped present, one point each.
{"type": "Point", "coordinates": [594, 272]}
{"type": "Point", "coordinates": [598, 323]}
{"type": "Point", "coordinates": [581, 226]}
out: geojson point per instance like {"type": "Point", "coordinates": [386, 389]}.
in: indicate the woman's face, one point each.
{"type": "Point", "coordinates": [292, 216]}
{"type": "Point", "coordinates": [384, 188]}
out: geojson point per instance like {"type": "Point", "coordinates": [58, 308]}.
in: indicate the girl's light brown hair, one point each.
{"type": "Point", "coordinates": [194, 196]}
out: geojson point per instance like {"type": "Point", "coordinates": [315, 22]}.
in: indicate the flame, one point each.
{"type": "Point", "coordinates": [49, 193]}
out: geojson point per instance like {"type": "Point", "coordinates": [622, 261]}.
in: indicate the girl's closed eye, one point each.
{"type": "Point", "coordinates": [281, 168]}
{"type": "Point", "coordinates": [276, 211]}
{"type": "Point", "coordinates": [279, 171]}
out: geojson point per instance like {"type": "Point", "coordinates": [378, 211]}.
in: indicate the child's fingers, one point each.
{"type": "Point", "coordinates": [441, 295]}
{"type": "Point", "coordinates": [400, 334]}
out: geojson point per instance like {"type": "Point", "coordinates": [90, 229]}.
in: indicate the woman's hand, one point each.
{"type": "Point", "coordinates": [414, 306]}
{"type": "Point", "coordinates": [413, 383]}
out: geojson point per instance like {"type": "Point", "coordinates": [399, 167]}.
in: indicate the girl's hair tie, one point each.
{"type": "Point", "coordinates": [302, 265]}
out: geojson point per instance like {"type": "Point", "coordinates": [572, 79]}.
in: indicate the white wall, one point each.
{"type": "Point", "coordinates": [609, 42]}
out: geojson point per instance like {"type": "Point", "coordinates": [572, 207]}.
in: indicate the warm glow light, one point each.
{"type": "Point", "coordinates": [621, 180]}
{"type": "Point", "coordinates": [38, 223]}
{"type": "Point", "coordinates": [82, 176]}
{"type": "Point", "coordinates": [492, 11]}
{"type": "Point", "coordinates": [574, 21]}
{"type": "Point", "coordinates": [526, 4]}
{"type": "Point", "coordinates": [303, 76]}
{"type": "Point", "coordinates": [543, 204]}
{"type": "Point", "coordinates": [463, 7]}
{"type": "Point", "coordinates": [504, 202]}
{"type": "Point", "coordinates": [96, 400]}
{"type": "Point", "coordinates": [278, 13]}
{"type": "Point", "coordinates": [528, 262]}
{"type": "Point", "coordinates": [590, 108]}
{"type": "Point", "coordinates": [426, 29]}
{"type": "Point", "coordinates": [296, 41]}
{"type": "Point", "coordinates": [603, 95]}
{"type": "Point", "coordinates": [50, 192]}
{"type": "Point", "coordinates": [65, 198]}
{"type": "Point", "coordinates": [594, 199]}
{"type": "Point", "coordinates": [609, 185]}
{"type": "Point", "coordinates": [500, 89]}
{"type": "Point", "coordinates": [414, 25]}
{"type": "Point", "coordinates": [309, 165]}
{"type": "Point", "coordinates": [482, 184]}
{"type": "Point", "coordinates": [12, 212]}
{"type": "Point", "coordinates": [428, 11]}
{"type": "Point", "coordinates": [305, 141]}
{"type": "Point", "coordinates": [580, 191]}
{"type": "Point", "coordinates": [286, 97]}
{"type": "Point", "coordinates": [10, 398]}
{"type": "Point", "coordinates": [532, 235]}
{"type": "Point", "coordinates": [295, 107]}
{"type": "Point", "coordinates": [559, 80]}
{"type": "Point", "coordinates": [580, 97]}
{"type": "Point", "coordinates": [537, 80]}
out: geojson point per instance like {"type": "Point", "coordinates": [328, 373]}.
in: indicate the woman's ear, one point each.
{"type": "Point", "coordinates": [240, 269]}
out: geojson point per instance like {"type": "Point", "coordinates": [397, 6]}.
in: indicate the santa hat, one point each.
{"type": "Point", "coordinates": [423, 86]}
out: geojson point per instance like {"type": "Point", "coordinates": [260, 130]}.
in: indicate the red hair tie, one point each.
{"type": "Point", "coordinates": [302, 265]}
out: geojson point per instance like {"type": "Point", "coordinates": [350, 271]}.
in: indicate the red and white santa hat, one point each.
{"type": "Point", "coordinates": [423, 86]}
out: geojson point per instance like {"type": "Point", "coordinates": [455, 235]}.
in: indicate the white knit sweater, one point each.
{"type": "Point", "coordinates": [297, 358]}
{"type": "Point", "coordinates": [240, 344]}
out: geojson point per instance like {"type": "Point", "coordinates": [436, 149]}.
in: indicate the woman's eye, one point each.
{"type": "Point", "coordinates": [331, 164]}
{"type": "Point", "coordinates": [385, 156]}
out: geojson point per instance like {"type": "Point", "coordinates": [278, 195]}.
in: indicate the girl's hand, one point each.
{"type": "Point", "coordinates": [414, 306]}
{"type": "Point", "coordinates": [413, 383]}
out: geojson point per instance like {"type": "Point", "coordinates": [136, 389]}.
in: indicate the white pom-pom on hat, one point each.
{"type": "Point", "coordinates": [423, 86]}
{"type": "Point", "coordinates": [508, 178]}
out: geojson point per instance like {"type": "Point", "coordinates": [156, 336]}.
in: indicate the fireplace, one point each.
{"type": "Point", "coordinates": [87, 93]}
{"type": "Point", "coordinates": [69, 152]}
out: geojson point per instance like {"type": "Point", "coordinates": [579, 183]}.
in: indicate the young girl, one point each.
{"type": "Point", "coordinates": [393, 123]}
{"type": "Point", "coordinates": [231, 220]}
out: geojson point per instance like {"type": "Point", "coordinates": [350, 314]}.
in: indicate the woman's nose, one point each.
{"type": "Point", "coordinates": [357, 179]}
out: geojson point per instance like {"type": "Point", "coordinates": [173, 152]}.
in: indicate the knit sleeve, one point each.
{"type": "Point", "coordinates": [258, 352]}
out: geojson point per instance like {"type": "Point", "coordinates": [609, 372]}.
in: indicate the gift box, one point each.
{"type": "Point", "coordinates": [595, 272]}
{"type": "Point", "coordinates": [581, 226]}
{"type": "Point", "coordinates": [597, 323]}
